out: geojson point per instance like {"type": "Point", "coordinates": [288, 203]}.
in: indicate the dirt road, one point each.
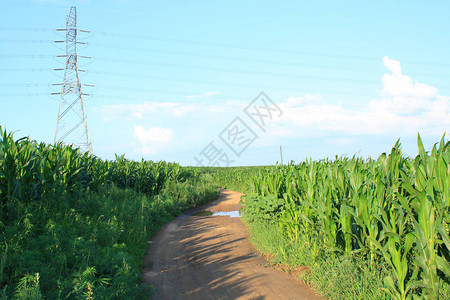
{"type": "Point", "coordinates": [209, 257]}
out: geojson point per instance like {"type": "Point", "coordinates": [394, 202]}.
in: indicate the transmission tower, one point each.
{"type": "Point", "coordinates": [71, 126]}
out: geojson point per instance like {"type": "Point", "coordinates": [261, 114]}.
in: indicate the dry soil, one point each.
{"type": "Point", "coordinates": [210, 257]}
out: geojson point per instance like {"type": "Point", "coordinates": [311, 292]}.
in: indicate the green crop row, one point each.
{"type": "Point", "coordinates": [28, 169]}
{"type": "Point", "coordinates": [73, 226]}
{"type": "Point", "coordinates": [393, 211]}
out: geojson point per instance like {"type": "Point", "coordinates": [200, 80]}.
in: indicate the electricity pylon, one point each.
{"type": "Point", "coordinates": [71, 126]}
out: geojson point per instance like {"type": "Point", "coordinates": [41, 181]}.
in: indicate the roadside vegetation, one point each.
{"type": "Point", "coordinates": [365, 229]}
{"type": "Point", "coordinates": [73, 226]}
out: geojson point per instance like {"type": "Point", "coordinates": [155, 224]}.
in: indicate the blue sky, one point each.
{"type": "Point", "coordinates": [350, 77]}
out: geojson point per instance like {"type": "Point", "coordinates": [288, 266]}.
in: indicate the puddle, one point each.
{"type": "Point", "coordinates": [231, 214]}
{"type": "Point", "coordinates": [203, 213]}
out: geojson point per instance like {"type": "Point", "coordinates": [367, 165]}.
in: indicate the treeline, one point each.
{"type": "Point", "coordinates": [73, 226]}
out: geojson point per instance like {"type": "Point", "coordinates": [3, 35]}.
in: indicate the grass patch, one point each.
{"type": "Point", "coordinates": [334, 277]}
{"type": "Point", "coordinates": [88, 244]}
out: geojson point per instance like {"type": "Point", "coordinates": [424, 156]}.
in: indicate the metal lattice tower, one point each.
{"type": "Point", "coordinates": [72, 127]}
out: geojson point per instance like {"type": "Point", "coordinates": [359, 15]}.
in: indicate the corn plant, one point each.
{"type": "Point", "coordinates": [394, 210]}
{"type": "Point", "coordinates": [79, 221]}
{"type": "Point", "coordinates": [28, 288]}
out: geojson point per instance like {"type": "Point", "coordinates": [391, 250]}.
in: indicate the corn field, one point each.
{"type": "Point", "coordinates": [73, 226]}
{"type": "Point", "coordinates": [28, 169]}
{"type": "Point", "coordinates": [393, 210]}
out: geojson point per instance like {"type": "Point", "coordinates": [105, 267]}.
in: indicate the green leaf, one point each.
{"type": "Point", "coordinates": [443, 265]}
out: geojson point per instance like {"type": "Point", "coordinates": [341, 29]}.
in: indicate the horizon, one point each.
{"type": "Point", "coordinates": [181, 82]}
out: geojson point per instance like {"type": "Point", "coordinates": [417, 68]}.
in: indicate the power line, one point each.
{"type": "Point", "coordinates": [26, 56]}
{"type": "Point", "coordinates": [146, 76]}
{"type": "Point", "coordinates": [26, 41]}
{"type": "Point", "coordinates": [217, 83]}
{"type": "Point", "coordinates": [259, 61]}
{"type": "Point", "coordinates": [232, 58]}
{"type": "Point", "coordinates": [236, 71]}
{"type": "Point", "coordinates": [179, 80]}
{"type": "Point", "coordinates": [94, 95]}
{"type": "Point", "coordinates": [187, 80]}
{"type": "Point", "coordinates": [32, 29]}
{"type": "Point", "coordinates": [263, 49]}
{"type": "Point", "coordinates": [199, 67]}
{"type": "Point", "coordinates": [223, 45]}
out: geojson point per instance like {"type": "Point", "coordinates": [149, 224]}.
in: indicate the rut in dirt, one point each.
{"type": "Point", "coordinates": [209, 257]}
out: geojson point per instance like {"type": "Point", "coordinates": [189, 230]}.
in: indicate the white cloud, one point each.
{"type": "Point", "coordinates": [404, 108]}
{"type": "Point", "coordinates": [393, 65]}
{"type": "Point", "coordinates": [150, 110]}
{"type": "Point", "coordinates": [302, 100]}
{"type": "Point", "coordinates": [194, 123]}
{"type": "Point", "coordinates": [403, 94]}
{"type": "Point", "coordinates": [152, 140]}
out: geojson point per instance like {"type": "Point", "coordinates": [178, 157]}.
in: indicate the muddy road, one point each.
{"type": "Point", "coordinates": [199, 256]}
